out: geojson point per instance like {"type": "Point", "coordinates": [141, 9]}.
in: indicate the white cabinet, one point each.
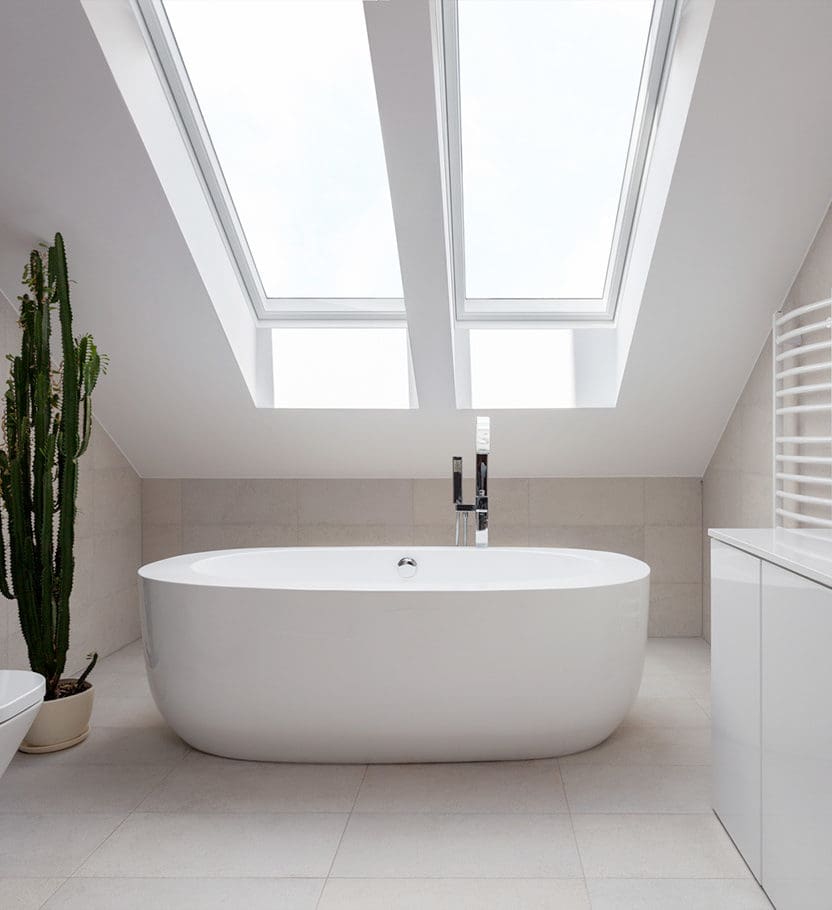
{"type": "Point", "coordinates": [796, 740]}
{"type": "Point", "coordinates": [771, 669]}
{"type": "Point", "coordinates": [735, 689]}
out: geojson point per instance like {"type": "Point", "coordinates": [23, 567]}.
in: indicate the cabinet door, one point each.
{"type": "Point", "coordinates": [797, 741]}
{"type": "Point", "coordinates": [735, 696]}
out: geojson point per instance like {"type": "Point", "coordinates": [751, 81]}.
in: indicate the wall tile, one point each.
{"type": "Point", "coordinates": [674, 554]}
{"type": "Point", "coordinates": [355, 502]}
{"type": "Point", "coordinates": [161, 541]}
{"type": "Point", "coordinates": [162, 502]}
{"type": "Point", "coordinates": [672, 500]}
{"type": "Point", "coordinates": [756, 438]}
{"type": "Point", "coordinates": [364, 535]}
{"type": "Point", "coordinates": [675, 609]}
{"type": "Point", "coordinates": [199, 538]}
{"type": "Point", "coordinates": [756, 495]}
{"type": "Point", "coordinates": [721, 499]}
{"type": "Point", "coordinates": [617, 539]}
{"type": "Point", "coordinates": [116, 499]}
{"type": "Point", "coordinates": [270, 502]}
{"type": "Point", "coordinates": [432, 505]}
{"type": "Point", "coordinates": [586, 501]}
{"type": "Point", "coordinates": [728, 451]}
{"type": "Point", "coordinates": [435, 535]}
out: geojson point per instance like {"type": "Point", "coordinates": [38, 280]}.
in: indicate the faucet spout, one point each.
{"type": "Point", "coordinates": [483, 444]}
{"type": "Point", "coordinates": [480, 504]}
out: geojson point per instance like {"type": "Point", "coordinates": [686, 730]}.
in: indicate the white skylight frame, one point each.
{"type": "Point", "coordinates": [317, 310]}
{"type": "Point", "coordinates": [405, 41]}
{"type": "Point", "coordinates": [554, 310]}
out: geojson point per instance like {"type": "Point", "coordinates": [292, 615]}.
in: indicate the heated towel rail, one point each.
{"type": "Point", "coordinates": [802, 404]}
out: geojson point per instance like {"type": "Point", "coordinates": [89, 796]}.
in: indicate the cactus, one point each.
{"type": "Point", "coordinates": [46, 425]}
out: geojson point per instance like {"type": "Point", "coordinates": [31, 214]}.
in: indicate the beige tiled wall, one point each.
{"type": "Point", "coordinates": [655, 519]}
{"type": "Point", "coordinates": [738, 480]}
{"type": "Point", "coordinates": [737, 484]}
{"type": "Point", "coordinates": [104, 605]}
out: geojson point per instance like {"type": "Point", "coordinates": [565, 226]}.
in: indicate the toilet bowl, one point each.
{"type": "Point", "coordinates": [21, 694]}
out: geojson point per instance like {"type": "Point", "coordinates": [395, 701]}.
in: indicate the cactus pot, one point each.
{"type": "Point", "coordinates": [61, 723]}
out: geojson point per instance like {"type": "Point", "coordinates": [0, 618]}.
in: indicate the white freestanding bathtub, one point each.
{"type": "Point", "coordinates": [330, 655]}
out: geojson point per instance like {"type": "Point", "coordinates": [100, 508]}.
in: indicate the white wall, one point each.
{"type": "Point", "coordinates": [738, 480]}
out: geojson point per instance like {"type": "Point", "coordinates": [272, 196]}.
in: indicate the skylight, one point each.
{"type": "Point", "coordinates": [522, 368]}
{"type": "Point", "coordinates": [550, 108]}
{"type": "Point", "coordinates": [284, 115]}
{"type": "Point", "coordinates": [355, 367]}
{"type": "Point", "coordinates": [514, 135]}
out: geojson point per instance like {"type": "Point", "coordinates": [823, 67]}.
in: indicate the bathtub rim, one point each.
{"type": "Point", "coordinates": [179, 570]}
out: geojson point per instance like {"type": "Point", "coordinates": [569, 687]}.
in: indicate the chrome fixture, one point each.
{"type": "Point", "coordinates": [407, 567]}
{"type": "Point", "coordinates": [480, 506]}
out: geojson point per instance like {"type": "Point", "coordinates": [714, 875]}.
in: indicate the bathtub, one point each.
{"type": "Point", "coordinates": [340, 655]}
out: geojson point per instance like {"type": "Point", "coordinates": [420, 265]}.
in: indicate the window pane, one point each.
{"type": "Point", "coordinates": [287, 94]}
{"type": "Point", "coordinates": [341, 368]}
{"type": "Point", "coordinates": [548, 93]}
{"type": "Point", "coordinates": [522, 368]}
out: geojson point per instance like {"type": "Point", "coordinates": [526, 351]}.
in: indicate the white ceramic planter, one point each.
{"type": "Point", "coordinates": [60, 724]}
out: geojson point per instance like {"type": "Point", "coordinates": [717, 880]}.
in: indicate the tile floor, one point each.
{"type": "Point", "coordinates": [134, 819]}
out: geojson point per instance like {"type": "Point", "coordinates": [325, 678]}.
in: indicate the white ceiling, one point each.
{"type": "Point", "coordinates": [751, 183]}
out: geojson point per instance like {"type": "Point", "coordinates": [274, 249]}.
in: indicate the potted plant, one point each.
{"type": "Point", "coordinates": [47, 423]}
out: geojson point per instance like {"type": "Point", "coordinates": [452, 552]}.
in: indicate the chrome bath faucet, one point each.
{"type": "Point", "coordinates": [480, 506]}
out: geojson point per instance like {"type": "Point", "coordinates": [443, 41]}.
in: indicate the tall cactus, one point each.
{"type": "Point", "coordinates": [47, 425]}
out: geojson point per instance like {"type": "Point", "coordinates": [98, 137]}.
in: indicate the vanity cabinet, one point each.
{"type": "Point", "coordinates": [796, 740]}
{"type": "Point", "coordinates": [772, 723]}
{"type": "Point", "coordinates": [735, 697]}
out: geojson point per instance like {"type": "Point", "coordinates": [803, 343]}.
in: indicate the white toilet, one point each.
{"type": "Point", "coordinates": [21, 694]}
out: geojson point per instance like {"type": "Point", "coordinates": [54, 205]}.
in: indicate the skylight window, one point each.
{"type": "Point", "coordinates": [355, 367]}
{"type": "Point", "coordinates": [550, 107]}
{"type": "Point", "coordinates": [281, 110]}
{"type": "Point", "coordinates": [522, 368]}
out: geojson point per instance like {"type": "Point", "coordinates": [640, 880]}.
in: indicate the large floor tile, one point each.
{"type": "Point", "coordinates": [186, 894]}
{"type": "Point", "coordinates": [648, 746]}
{"type": "Point", "coordinates": [117, 746]}
{"type": "Point", "coordinates": [121, 683]}
{"type": "Point", "coordinates": [697, 685]}
{"type": "Point", "coordinates": [638, 788]}
{"type": "Point", "coordinates": [656, 846]}
{"type": "Point", "coordinates": [453, 894]}
{"type": "Point", "coordinates": [126, 711]}
{"type": "Point", "coordinates": [50, 845]}
{"type": "Point", "coordinates": [661, 685]}
{"type": "Point", "coordinates": [457, 846]}
{"type": "Point", "coordinates": [26, 893]}
{"type": "Point", "coordinates": [666, 712]}
{"type": "Point", "coordinates": [203, 783]}
{"type": "Point", "coordinates": [533, 786]}
{"type": "Point", "coordinates": [78, 789]}
{"type": "Point", "coordinates": [683, 655]}
{"type": "Point", "coordinates": [678, 894]}
{"type": "Point", "coordinates": [237, 846]}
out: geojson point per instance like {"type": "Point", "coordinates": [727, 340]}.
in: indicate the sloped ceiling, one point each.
{"type": "Point", "coordinates": [752, 182]}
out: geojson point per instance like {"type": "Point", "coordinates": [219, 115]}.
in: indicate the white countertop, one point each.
{"type": "Point", "coordinates": [806, 552]}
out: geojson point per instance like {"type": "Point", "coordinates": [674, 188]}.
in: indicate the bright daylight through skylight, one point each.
{"type": "Point", "coordinates": [548, 96]}
{"type": "Point", "coordinates": [287, 94]}
{"type": "Point", "coordinates": [535, 154]}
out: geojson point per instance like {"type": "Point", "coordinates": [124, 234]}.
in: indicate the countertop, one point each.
{"type": "Point", "coordinates": [806, 552]}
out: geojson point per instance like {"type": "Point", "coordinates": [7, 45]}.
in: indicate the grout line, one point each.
{"type": "Point", "coordinates": [572, 828]}
{"type": "Point", "coordinates": [341, 838]}
{"type": "Point", "coordinates": [53, 892]}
